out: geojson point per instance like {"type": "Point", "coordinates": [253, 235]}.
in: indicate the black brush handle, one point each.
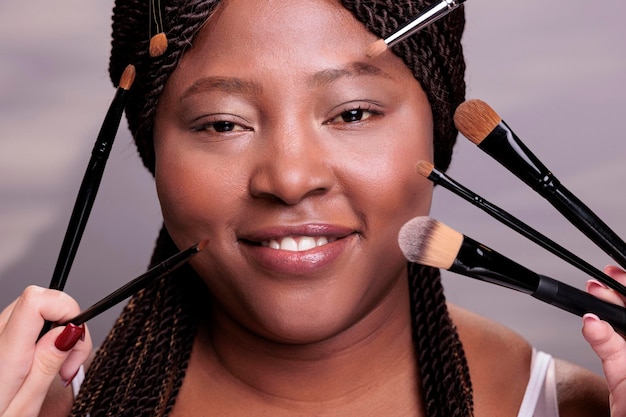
{"type": "Point", "coordinates": [579, 302]}
{"type": "Point", "coordinates": [504, 146]}
{"type": "Point", "coordinates": [535, 236]}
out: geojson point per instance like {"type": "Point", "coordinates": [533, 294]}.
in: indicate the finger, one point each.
{"type": "Point", "coordinates": [51, 353]}
{"type": "Point", "coordinates": [611, 349]}
{"type": "Point", "coordinates": [616, 273]}
{"type": "Point", "coordinates": [601, 291]}
{"type": "Point", "coordinates": [77, 357]}
{"type": "Point", "coordinates": [6, 313]}
{"type": "Point", "coordinates": [19, 335]}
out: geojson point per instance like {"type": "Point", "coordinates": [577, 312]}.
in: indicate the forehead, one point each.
{"type": "Point", "coordinates": [284, 35]}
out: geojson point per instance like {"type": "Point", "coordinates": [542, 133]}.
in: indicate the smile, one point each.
{"type": "Point", "coordinates": [297, 243]}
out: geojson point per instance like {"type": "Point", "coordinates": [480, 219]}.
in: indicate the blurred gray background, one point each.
{"type": "Point", "coordinates": [553, 70]}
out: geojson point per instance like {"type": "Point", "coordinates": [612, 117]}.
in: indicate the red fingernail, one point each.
{"type": "Point", "coordinates": [70, 336]}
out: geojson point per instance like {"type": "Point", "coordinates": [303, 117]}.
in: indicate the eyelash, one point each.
{"type": "Point", "coordinates": [354, 111]}
{"type": "Point", "coordinates": [220, 126]}
{"type": "Point", "coordinates": [354, 115]}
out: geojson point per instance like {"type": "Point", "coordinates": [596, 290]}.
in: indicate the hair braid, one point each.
{"type": "Point", "coordinates": [141, 365]}
{"type": "Point", "coordinates": [442, 366]}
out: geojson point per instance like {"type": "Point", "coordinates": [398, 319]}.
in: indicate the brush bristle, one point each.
{"type": "Point", "coordinates": [426, 241]}
{"type": "Point", "coordinates": [475, 120]}
{"type": "Point", "coordinates": [128, 77]}
{"type": "Point", "coordinates": [202, 244]}
{"type": "Point", "coordinates": [158, 45]}
{"type": "Point", "coordinates": [424, 168]}
{"type": "Point", "coordinates": [376, 48]}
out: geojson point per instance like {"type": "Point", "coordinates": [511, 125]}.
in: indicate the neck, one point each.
{"type": "Point", "coordinates": [372, 359]}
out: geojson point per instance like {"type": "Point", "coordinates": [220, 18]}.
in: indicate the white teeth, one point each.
{"type": "Point", "coordinates": [289, 243]}
{"type": "Point", "coordinates": [306, 243]}
{"type": "Point", "coordinates": [297, 244]}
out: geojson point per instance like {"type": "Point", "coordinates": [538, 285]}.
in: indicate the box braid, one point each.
{"type": "Point", "coordinates": [140, 367]}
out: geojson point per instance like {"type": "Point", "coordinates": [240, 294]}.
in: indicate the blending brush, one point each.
{"type": "Point", "coordinates": [427, 170]}
{"type": "Point", "coordinates": [426, 241]}
{"type": "Point", "coordinates": [482, 125]}
{"type": "Point", "coordinates": [428, 16]}
{"type": "Point", "coordinates": [90, 183]}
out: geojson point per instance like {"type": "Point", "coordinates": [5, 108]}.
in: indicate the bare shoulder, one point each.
{"type": "Point", "coordinates": [581, 393]}
{"type": "Point", "coordinates": [499, 361]}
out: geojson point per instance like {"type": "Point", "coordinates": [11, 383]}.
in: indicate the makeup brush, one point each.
{"type": "Point", "coordinates": [89, 185]}
{"type": "Point", "coordinates": [482, 125]}
{"type": "Point", "coordinates": [428, 170]}
{"type": "Point", "coordinates": [426, 241]}
{"type": "Point", "coordinates": [142, 281]}
{"type": "Point", "coordinates": [428, 16]}
{"type": "Point", "coordinates": [91, 181]}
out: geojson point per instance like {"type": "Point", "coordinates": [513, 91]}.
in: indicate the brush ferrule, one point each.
{"type": "Point", "coordinates": [505, 147]}
{"type": "Point", "coordinates": [428, 16]}
{"type": "Point", "coordinates": [481, 262]}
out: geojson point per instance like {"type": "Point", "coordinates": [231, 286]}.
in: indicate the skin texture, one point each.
{"type": "Point", "coordinates": [291, 166]}
{"type": "Point", "coordinates": [276, 124]}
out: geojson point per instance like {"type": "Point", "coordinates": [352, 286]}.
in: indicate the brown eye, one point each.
{"type": "Point", "coordinates": [354, 115]}
{"type": "Point", "coordinates": [223, 126]}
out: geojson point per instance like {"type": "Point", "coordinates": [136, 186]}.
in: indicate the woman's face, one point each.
{"type": "Point", "coordinates": [294, 153]}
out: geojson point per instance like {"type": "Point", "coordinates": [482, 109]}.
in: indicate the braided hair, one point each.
{"type": "Point", "coordinates": [140, 367]}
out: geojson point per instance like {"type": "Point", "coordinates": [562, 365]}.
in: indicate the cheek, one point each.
{"type": "Point", "coordinates": [390, 173]}
{"type": "Point", "coordinates": [193, 193]}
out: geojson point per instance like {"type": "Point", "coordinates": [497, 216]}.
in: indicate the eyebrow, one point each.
{"type": "Point", "coordinates": [229, 85]}
{"type": "Point", "coordinates": [233, 85]}
{"type": "Point", "coordinates": [354, 69]}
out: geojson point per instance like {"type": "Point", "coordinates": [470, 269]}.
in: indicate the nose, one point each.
{"type": "Point", "coordinates": [291, 165]}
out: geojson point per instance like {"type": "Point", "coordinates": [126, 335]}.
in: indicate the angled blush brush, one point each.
{"type": "Point", "coordinates": [419, 22]}
{"type": "Point", "coordinates": [482, 125]}
{"type": "Point", "coordinates": [427, 170]}
{"type": "Point", "coordinates": [426, 241]}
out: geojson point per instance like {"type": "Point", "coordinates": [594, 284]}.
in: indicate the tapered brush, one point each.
{"type": "Point", "coordinates": [426, 241]}
{"type": "Point", "coordinates": [153, 274]}
{"type": "Point", "coordinates": [428, 170]}
{"type": "Point", "coordinates": [91, 181]}
{"type": "Point", "coordinates": [90, 184]}
{"type": "Point", "coordinates": [482, 125]}
{"type": "Point", "coordinates": [419, 22]}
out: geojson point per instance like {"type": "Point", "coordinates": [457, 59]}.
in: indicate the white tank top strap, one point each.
{"type": "Point", "coordinates": [78, 380]}
{"type": "Point", "coordinates": [540, 398]}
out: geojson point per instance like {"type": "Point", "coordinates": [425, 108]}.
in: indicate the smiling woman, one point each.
{"type": "Point", "coordinates": [272, 133]}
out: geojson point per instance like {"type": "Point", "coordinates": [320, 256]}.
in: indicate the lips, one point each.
{"type": "Point", "coordinates": [297, 250]}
